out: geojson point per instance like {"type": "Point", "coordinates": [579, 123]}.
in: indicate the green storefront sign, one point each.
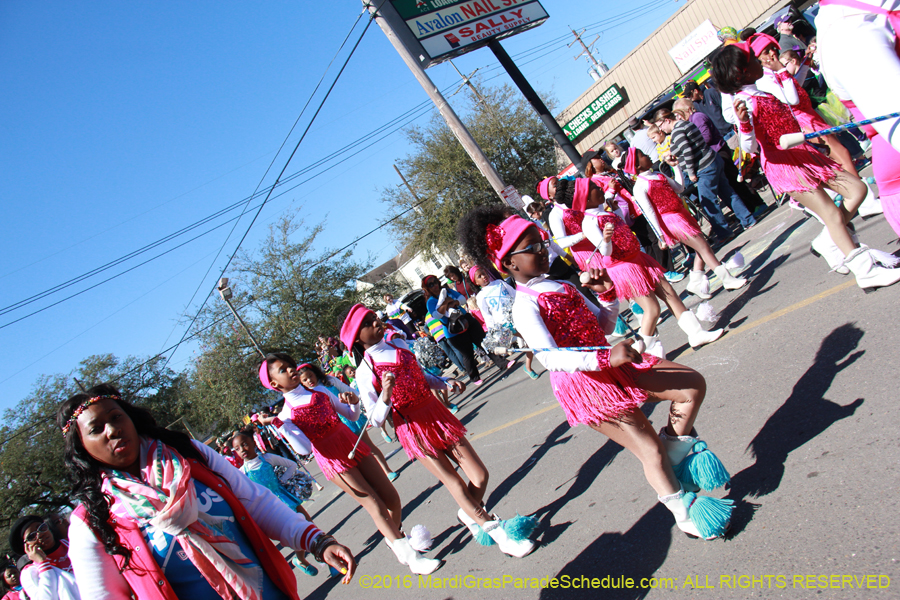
{"type": "Point", "coordinates": [593, 112]}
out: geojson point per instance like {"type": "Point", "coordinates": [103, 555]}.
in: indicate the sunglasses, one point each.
{"type": "Point", "coordinates": [535, 248]}
{"type": "Point", "coordinates": [32, 537]}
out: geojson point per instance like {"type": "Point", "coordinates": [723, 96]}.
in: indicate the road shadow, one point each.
{"type": "Point", "coordinates": [805, 414]}
{"type": "Point", "coordinates": [635, 554]}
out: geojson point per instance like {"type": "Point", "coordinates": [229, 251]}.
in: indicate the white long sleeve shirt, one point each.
{"type": "Point", "coordinates": [785, 90]}
{"type": "Point", "coordinates": [301, 397]}
{"type": "Point", "coordinates": [377, 405]}
{"type": "Point", "coordinates": [531, 326]}
{"type": "Point", "coordinates": [558, 228]}
{"type": "Point", "coordinates": [43, 581]}
{"type": "Point", "coordinates": [859, 61]}
{"type": "Point", "coordinates": [98, 575]}
{"type": "Point", "coordinates": [591, 228]}
{"type": "Point", "coordinates": [641, 195]}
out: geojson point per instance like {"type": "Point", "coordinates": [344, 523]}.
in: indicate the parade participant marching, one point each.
{"type": "Point", "coordinates": [49, 575]}
{"type": "Point", "coordinates": [309, 421]}
{"type": "Point", "coordinates": [260, 468]}
{"type": "Point", "coordinates": [657, 195]}
{"type": "Point", "coordinates": [800, 171]}
{"type": "Point", "coordinates": [635, 275]}
{"type": "Point", "coordinates": [390, 381]}
{"type": "Point", "coordinates": [165, 517]}
{"type": "Point", "coordinates": [312, 376]}
{"type": "Point", "coordinates": [604, 389]}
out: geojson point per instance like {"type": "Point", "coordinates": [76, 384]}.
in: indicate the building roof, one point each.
{"type": "Point", "coordinates": [390, 266]}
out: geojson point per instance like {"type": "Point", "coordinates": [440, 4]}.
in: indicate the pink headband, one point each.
{"type": "Point", "coordinates": [352, 324]}
{"type": "Point", "coordinates": [264, 375]}
{"type": "Point", "coordinates": [744, 47]}
{"type": "Point", "coordinates": [502, 238]}
{"type": "Point", "coordinates": [631, 161]}
{"type": "Point", "coordinates": [544, 188]}
{"type": "Point", "coordinates": [761, 41]}
{"type": "Point", "coordinates": [579, 198]}
{"type": "Point", "coordinates": [474, 270]}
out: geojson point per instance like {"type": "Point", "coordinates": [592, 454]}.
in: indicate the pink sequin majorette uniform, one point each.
{"type": "Point", "coordinates": [798, 169]}
{"type": "Point", "coordinates": [589, 390]}
{"type": "Point", "coordinates": [315, 426]}
{"type": "Point", "coordinates": [581, 251]}
{"type": "Point", "coordinates": [633, 272]}
{"type": "Point", "coordinates": [423, 424]}
{"type": "Point", "coordinates": [675, 222]}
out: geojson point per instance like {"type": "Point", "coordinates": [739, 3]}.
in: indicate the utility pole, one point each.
{"type": "Point", "coordinates": [452, 119]}
{"type": "Point", "coordinates": [467, 80]}
{"type": "Point", "coordinates": [411, 191]}
{"type": "Point", "coordinates": [537, 104]}
{"type": "Point", "coordinates": [80, 386]}
{"type": "Point", "coordinates": [599, 67]}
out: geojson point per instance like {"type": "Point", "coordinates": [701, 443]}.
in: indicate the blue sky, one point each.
{"type": "Point", "coordinates": [123, 122]}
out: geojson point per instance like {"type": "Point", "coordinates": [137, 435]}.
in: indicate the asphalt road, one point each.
{"type": "Point", "coordinates": [801, 408]}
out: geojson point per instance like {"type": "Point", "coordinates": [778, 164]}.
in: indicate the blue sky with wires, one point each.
{"type": "Point", "coordinates": [134, 134]}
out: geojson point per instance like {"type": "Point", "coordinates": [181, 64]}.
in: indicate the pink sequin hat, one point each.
{"type": "Point", "coordinates": [502, 238]}
{"type": "Point", "coordinates": [631, 161]}
{"type": "Point", "coordinates": [264, 375]}
{"type": "Point", "coordinates": [761, 41]}
{"type": "Point", "coordinates": [350, 328]}
{"type": "Point", "coordinates": [580, 197]}
{"type": "Point", "coordinates": [543, 188]}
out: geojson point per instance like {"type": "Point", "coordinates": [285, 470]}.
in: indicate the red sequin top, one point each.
{"type": "Point", "coordinates": [572, 220]}
{"type": "Point", "coordinates": [772, 118]}
{"type": "Point", "coordinates": [663, 197]}
{"type": "Point", "coordinates": [316, 419]}
{"type": "Point", "coordinates": [410, 387]}
{"type": "Point", "coordinates": [570, 322]}
{"type": "Point", "coordinates": [624, 243]}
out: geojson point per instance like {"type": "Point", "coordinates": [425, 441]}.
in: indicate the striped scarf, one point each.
{"type": "Point", "coordinates": [165, 499]}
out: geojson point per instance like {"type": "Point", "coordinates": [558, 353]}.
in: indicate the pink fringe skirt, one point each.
{"type": "Point", "coordinates": [634, 277]}
{"type": "Point", "coordinates": [331, 451]}
{"type": "Point", "coordinates": [427, 428]}
{"type": "Point", "coordinates": [810, 121]}
{"type": "Point", "coordinates": [594, 397]}
{"type": "Point", "coordinates": [799, 169]}
{"type": "Point", "coordinates": [678, 227]}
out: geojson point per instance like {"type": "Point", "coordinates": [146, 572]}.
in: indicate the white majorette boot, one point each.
{"type": "Point", "coordinates": [474, 528]}
{"type": "Point", "coordinates": [823, 246]}
{"type": "Point", "coordinates": [697, 336]}
{"type": "Point", "coordinates": [653, 346]}
{"type": "Point", "coordinates": [880, 257]}
{"type": "Point", "coordinates": [506, 539]}
{"type": "Point", "coordinates": [699, 516]}
{"type": "Point", "coordinates": [871, 204]}
{"type": "Point", "coordinates": [695, 466]}
{"type": "Point", "coordinates": [698, 285]}
{"type": "Point", "coordinates": [870, 275]}
{"type": "Point", "coordinates": [729, 281]}
{"type": "Point", "coordinates": [418, 564]}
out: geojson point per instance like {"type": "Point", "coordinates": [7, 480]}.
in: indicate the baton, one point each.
{"type": "Point", "coordinates": [363, 432]}
{"type": "Point", "coordinates": [789, 140]}
{"type": "Point", "coordinates": [502, 351]}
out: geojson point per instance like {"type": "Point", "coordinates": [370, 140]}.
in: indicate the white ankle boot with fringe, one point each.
{"type": "Point", "coordinates": [870, 275]}
{"type": "Point", "coordinates": [871, 204]}
{"type": "Point", "coordinates": [407, 555]}
{"type": "Point", "coordinates": [824, 247]}
{"type": "Point", "coordinates": [653, 346]}
{"type": "Point", "coordinates": [698, 285]}
{"type": "Point", "coordinates": [694, 464]}
{"type": "Point", "coordinates": [729, 281]}
{"type": "Point", "coordinates": [511, 536]}
{"type": "Point", "coordinates": [697, 336]}
{"type": "Point", "coordinates": [699, 516]}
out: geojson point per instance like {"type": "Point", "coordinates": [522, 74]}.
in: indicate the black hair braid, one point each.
{"type": "Point", "coordinates": [565, 192]}
{"type": "Point", "coordinates": [85, 471]}
{"type": "Point", "coordinates": [471, 230]}
{"type": "Point", "coordinates": [727, 67]}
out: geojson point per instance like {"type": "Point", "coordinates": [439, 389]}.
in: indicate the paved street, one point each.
{"type": "Point", "coordinates": [802, 409]}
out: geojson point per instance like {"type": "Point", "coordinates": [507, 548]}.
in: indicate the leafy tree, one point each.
{"type": "Point", "coordinates": [512, 137]}
{"type": "Point", "coordinates": [32, 475]}
{"type": "Point", "coordinates": [288, 294]}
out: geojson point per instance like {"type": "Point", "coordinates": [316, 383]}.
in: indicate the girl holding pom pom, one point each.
{"type": "Point", "coordinates": [605, 389]}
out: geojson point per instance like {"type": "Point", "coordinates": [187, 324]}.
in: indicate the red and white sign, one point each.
{"type": "Point", "coordinates": [480, 30]}
{"type": "Point", "coordinates": [695, 47]}
{"type": "Point", "coordinates": [512, 197]}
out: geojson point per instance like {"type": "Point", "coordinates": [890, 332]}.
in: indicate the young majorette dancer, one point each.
{"type": "Point", "coordinates": [605, 388]}
{"type": "Point", "coordinates": [309, 421]}
{"type": "Point", "coordinates": [657, 195]}
{"type": "Point", "coordinates": [261, 469]}
{"type": "Point", "coordinates": [390, 381]}
{"type": "Point", "coordinates": [635, 275]}
{"type": "Point", "coordinates": [311, 376]}
{"type": "Point", "coordinates": [800, 171]}
{"type": "Point", "coordinates": [495, 300]}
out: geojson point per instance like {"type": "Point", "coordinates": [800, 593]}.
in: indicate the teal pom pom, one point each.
{"type": "Point", "coordinates": [870, 180]}
{"type": "Point", "coordinates": [702, 468]}
{"type": "Point", "coordinates": [621, 327]}
{"type": "Point", "coordinates": [482, 537]}
{"type": "Point", "coordinates": [711, 516]}
{"type": "Point", "coordinates": [520, 528]}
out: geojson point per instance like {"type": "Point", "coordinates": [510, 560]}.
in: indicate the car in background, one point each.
{"type": "Point", "coordinates": [416, 301]}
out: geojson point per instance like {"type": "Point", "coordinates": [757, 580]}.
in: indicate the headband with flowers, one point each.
{"type": "Point", "coordinates": [82, 407]}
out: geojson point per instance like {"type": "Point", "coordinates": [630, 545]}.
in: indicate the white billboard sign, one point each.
{"type": "Point", "coordinates": [695, 47]}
